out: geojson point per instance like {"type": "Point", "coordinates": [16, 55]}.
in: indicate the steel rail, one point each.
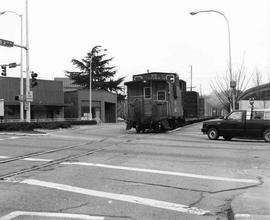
{"type": "Point", "coordinates": [50, 163]}
{"type": "Point", "coordinates": [61, 160]}
{"type": "Point", "coordinates": [47, 152]}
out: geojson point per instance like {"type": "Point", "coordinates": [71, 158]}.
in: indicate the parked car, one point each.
{"type": "Point", "coordinates": [240, 123]}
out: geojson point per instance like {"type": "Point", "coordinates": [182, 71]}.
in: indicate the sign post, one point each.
{"type": "Point", "coordinates": [29, 96]}
{"type": "Point", "coordinates": [2, 109]}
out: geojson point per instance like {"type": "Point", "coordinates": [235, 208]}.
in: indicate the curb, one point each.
{"type": "Point", "coordinates": [23, 134]}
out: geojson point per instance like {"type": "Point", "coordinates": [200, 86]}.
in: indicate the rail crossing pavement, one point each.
{"type": "Point", "coordinates": [224, 180]}
{"type": "Point", "coordinates": [123, 197]}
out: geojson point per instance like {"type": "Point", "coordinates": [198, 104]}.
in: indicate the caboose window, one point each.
{"type": "Point", "coordinates": [147, 92]}
{"type": "Point", "coordinates": [170, 78]}
{"type": "Point", "coordinates": [161, 95]}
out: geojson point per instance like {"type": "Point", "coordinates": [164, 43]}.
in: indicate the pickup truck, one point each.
{"type": "Point", "coordinates": [241, 123]}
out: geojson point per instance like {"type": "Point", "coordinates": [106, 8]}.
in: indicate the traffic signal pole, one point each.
{"type": "Point", "coordinates": [21, 73]}
{"type": "Point", "coordinates": [27, 103]}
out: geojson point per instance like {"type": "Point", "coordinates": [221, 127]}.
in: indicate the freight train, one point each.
{"type": "Point", "coordinates": [155, 101]}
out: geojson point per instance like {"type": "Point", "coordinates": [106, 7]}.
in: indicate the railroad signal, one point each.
{"type": "Point", "coordinates": [6, 43]}
{"type": "Point", "coordinates": [34, 79]}
{"type": "Point", "coordinates": [4, 70]}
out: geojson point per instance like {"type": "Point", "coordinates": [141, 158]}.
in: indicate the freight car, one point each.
{"type": "Point", "coordinates": [154, 101]}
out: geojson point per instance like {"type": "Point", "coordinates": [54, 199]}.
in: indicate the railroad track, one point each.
{"type": "Point", "coordinates": [62, 159]}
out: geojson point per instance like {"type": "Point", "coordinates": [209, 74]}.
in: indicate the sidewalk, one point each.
{"type": "Point", "coordinates": [253, 204]}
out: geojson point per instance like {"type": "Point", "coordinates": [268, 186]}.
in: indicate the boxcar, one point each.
{"type": "Point", "coordinates": [154, 101]}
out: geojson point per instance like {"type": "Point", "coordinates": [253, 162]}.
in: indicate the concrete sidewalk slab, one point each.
{"type": "Point", "coordinates": [251, 217]}
{"type": "Point", "coordinates": [254, 204]}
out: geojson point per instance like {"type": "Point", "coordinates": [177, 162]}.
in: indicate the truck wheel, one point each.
{"type": "Point", "coordinates": [212, 134]}
{"type": "Point", "coordinates": [266, 135]}
{"type": "Point", "coordinates": [227, 138]}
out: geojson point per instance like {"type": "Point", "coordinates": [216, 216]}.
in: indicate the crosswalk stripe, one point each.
{"type": "Point", "coordinates": [16, 214]}
{"type": "Point", "coordinates": [161, 172]}
{"type": "Point", "coordinates": [114, 196]}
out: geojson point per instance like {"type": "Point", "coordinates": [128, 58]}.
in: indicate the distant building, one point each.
{"type": "Point", "coordinates": [48, 99]}
{"type": "Point", "coordinates": [67, 84]}
{"type": "Point", "coordinates": [261, 95]}
{"type": "Point", "coordinates": [261, 92]}
{"type": "Point", "coordinates": [206, 109]}
{"type": "Point", "coordinates": [103, 107]}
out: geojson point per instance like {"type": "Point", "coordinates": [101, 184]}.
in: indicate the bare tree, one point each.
{"type": "Point", "coordinates": [257, 77]}
{"type": "Point", "coordinates": [222, 90]}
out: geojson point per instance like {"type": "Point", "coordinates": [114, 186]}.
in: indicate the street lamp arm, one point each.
{"type": "Point", "coordinates": [229, 33]}
{"type": "Point", "coordinates": [21, 65]}
{"type": "Point", "coordinates": [229, 42]}
{"type": "Point", "coordinates": [214, 11]}
{"type": "Point", "coordinates": [12, 12]}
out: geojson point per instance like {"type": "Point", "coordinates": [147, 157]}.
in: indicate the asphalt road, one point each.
{"type": "Point", "coordinates": [106, 172]}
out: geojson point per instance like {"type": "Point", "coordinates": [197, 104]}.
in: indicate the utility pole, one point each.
{"type": "Point", "coordinates": [190, 77]}
{"type": "Point", "coordinates": [21, 74]}
{"type": "Point", "coordinates": [27, 103]}
{"type": "Point", "coordinates": [191, 87]}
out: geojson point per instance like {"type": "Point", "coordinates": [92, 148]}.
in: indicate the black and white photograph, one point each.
{"type": "Point", "coordinates": [135, 110]}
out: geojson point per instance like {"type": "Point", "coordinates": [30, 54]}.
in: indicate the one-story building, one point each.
{"type": "Point", "coordinates": [48, 99]}
{"type": "Point", "coordinates": [103, 106]}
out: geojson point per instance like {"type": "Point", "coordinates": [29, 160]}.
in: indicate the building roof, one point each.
{"type": "Point", "coordinates": [261, 92]}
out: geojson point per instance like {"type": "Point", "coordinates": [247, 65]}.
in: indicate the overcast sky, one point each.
{"type": "Point", "coordinates": [157, 35]}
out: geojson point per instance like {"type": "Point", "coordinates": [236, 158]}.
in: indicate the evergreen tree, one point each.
{"type": "Point", "coordinates": [102, 74]}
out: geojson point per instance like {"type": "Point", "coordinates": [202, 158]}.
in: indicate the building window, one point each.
{"type": "Point", "coordinates": [161, 95]}
{"type": "Point", "coordinates": [147, 92]}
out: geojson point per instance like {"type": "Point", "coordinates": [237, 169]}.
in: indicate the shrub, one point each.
{"type": "Point", "coordinates": [25, 126]}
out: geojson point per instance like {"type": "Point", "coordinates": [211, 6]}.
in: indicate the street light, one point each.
{"type": "Point", "coordinates": [27, 83]}
{"type": "Point", "coordinates": [21, 66]}
{"type": "Point", "coordinates": [232, 82]}
{"type": "Point", "coordinates": [90, 80]}
{"type": "Point", "coordinates": [90, 88]}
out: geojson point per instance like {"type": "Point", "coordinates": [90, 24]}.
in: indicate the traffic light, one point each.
{"type": "Point", "coordinates": [4, 70]}
{"type": "Point", "coordinates": [17, 98]}
{"type": "Point", "coordinates": [34, 79]}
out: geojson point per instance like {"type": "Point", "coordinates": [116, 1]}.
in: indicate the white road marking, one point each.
{"type": "Point", "coordinates": [13, 138]}
{"type": "Point", "coordinates": [114, 196]}
{"type": "Point", "coordinates": [162, 172]}
{"type": "Point", "coordinates": [16, 214]}
{"type": "Point", "coordinates": [37, 159]}
{"type": "Point", "coordinates": [242, 216]}
{"type": "Point", "coordinates": [9, 138]}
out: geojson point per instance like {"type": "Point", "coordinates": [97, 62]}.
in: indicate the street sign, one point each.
{"type": "Point", "coordinates": [29, 96]}
{"type": "Point", "coordinates": [26, 106]}
{"type": "Point", "coordinates": [12, 65]}
{"type": "Point", "coordinates": [6, 43]}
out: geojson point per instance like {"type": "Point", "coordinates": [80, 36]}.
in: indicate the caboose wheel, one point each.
{"type": "Point", "coordinates": [138, 129]}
